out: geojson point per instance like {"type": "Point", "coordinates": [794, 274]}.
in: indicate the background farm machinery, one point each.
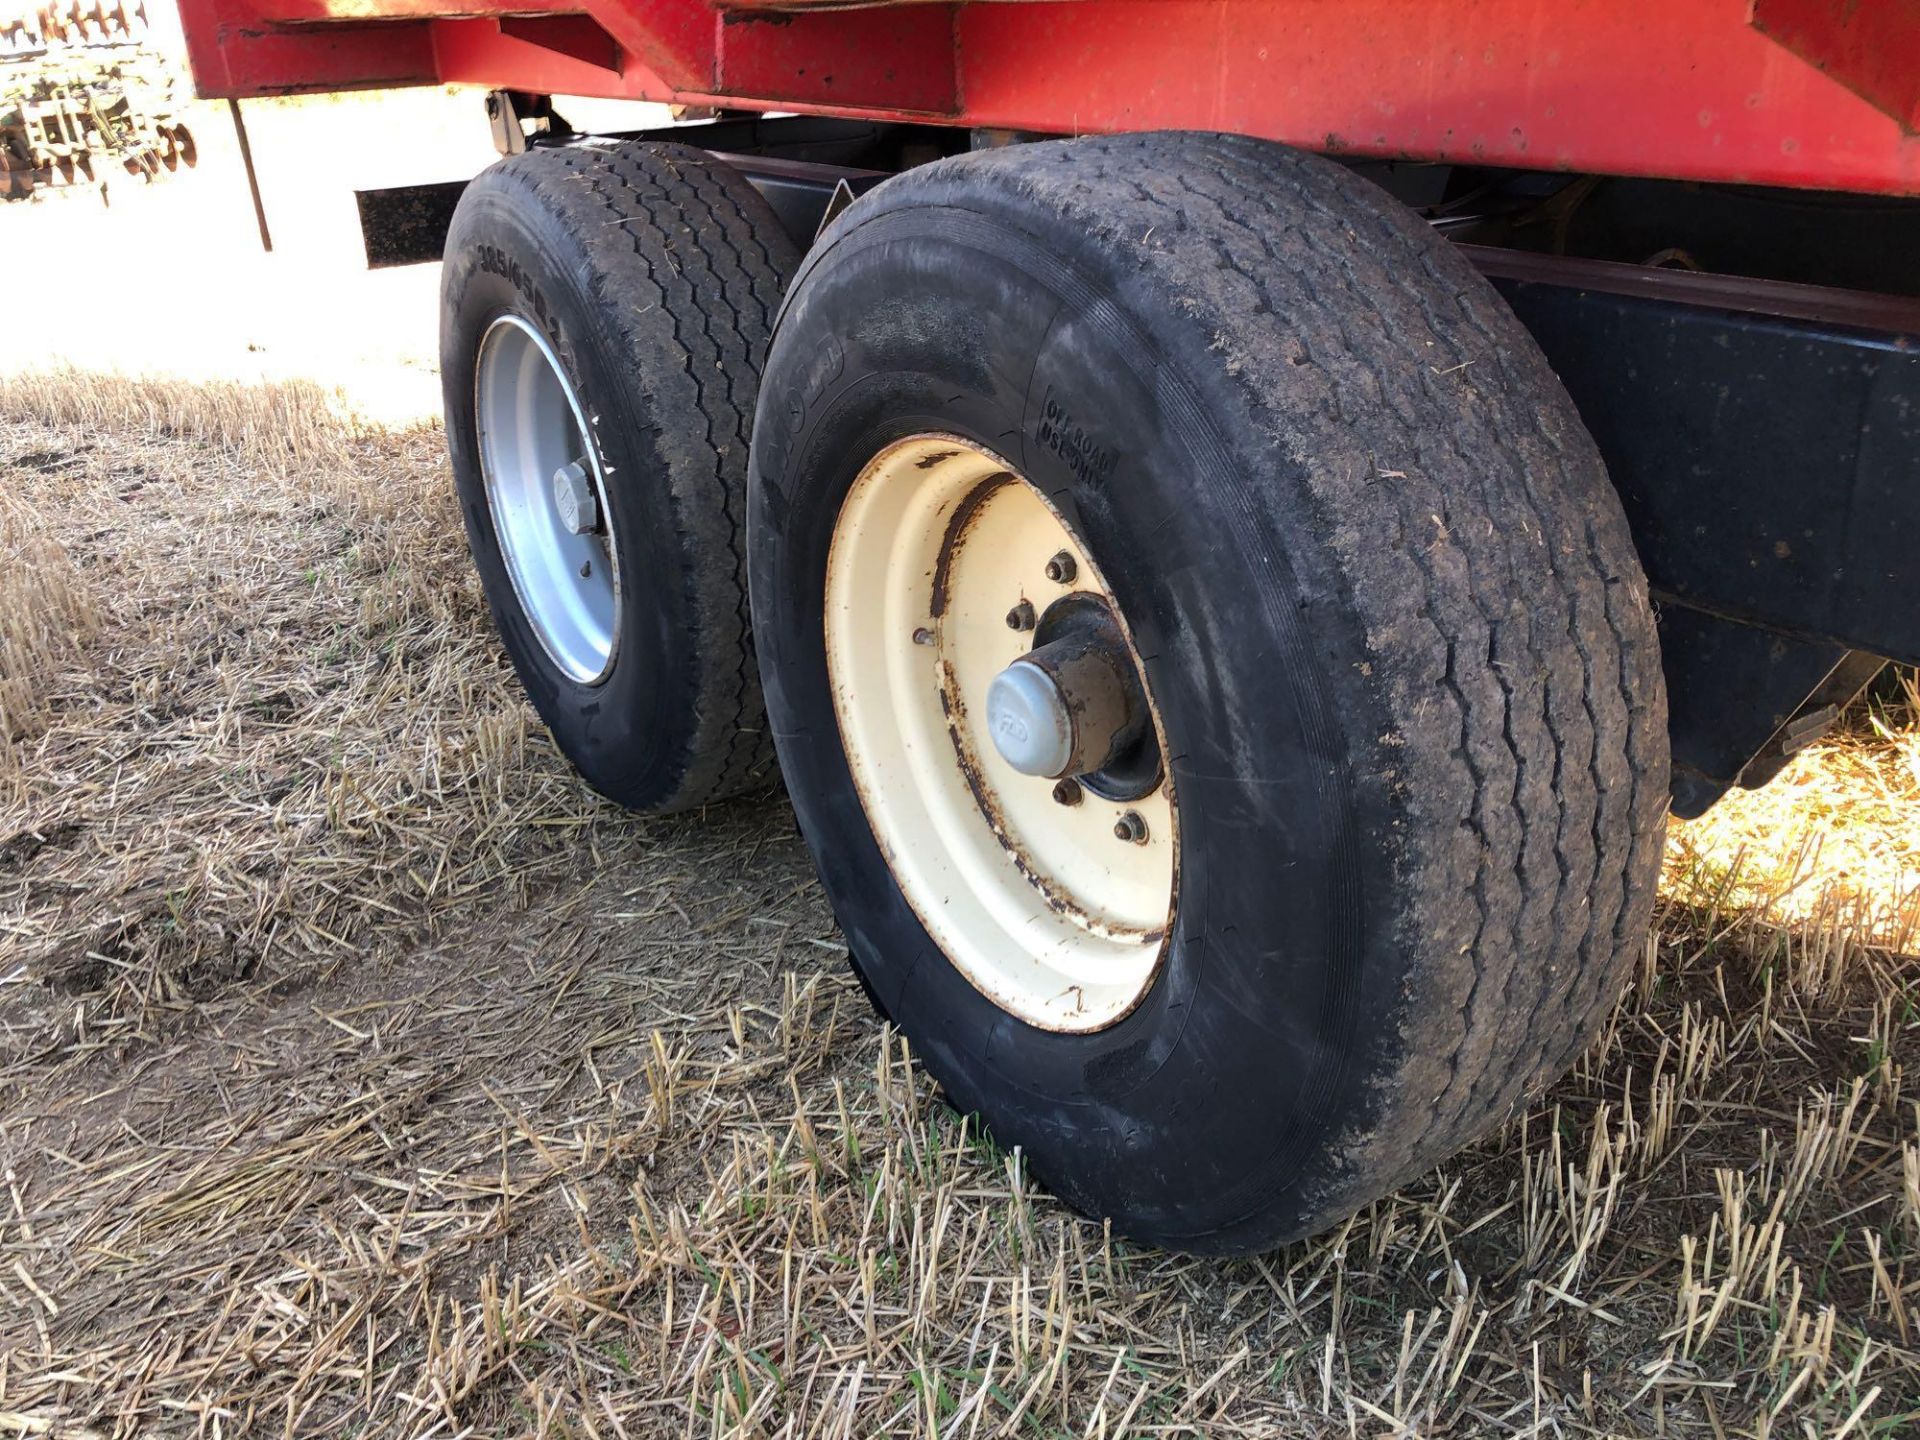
{"type": "Point", "coordinates": [83, 97]}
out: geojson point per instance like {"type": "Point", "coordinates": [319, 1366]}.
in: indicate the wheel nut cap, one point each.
{"type": "Point", "coordinates": [573, 500]}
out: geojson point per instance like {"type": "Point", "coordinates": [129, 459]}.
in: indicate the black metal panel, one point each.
{"type": "Point", "coordinates": [1731, 688]}
{"type": "Point", "coordinates": [1765, 441]}
{"type": "Point", "coordinates": [819, 139]}
{"type": "Point", "coordinates": [802, 192]}
{"type": "Point", "coordinates": [407, 225]}
{"type": "Point", "coordinates": [1769, 466]}
{"type": "Point", "coordinates": [1815, 237]}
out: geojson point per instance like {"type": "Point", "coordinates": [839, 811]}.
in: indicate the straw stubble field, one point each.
{"type": "Point", "coordinates": [363, 1074]}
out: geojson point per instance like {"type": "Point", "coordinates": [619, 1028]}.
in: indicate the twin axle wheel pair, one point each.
{"type": "Point", "coordinates": [1201, 644]}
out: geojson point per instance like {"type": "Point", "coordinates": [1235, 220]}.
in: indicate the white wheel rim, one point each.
{"type": "Point", "coordinates": [530, 427]}
{"type": "Point", "coordinates": [1039, 904]}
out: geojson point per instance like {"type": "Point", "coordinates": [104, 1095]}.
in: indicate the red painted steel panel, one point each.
{"type": "Point", "coordinates": [900, 59]}
{"type": "Point", "coordinates": [1872, 48]}
{"type": "Point", "coordinates": [1685, 89]}
{"type": "Point", "coordinates": [233, 52]}
{"type": "Point", "coordinates": [490, 52]}
{"type": "Point", "coordinates": [576, 37]}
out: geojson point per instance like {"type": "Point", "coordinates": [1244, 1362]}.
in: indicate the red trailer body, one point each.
{"type": "Point", "coordinates": [1808, 93]}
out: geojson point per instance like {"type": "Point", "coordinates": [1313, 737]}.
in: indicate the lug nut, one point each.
{"type": "Point", "coordinates": [1061, 569]}
{"type": "Point", "coordinates": [1067, 792]}
{"type": "Point", "coordinates": [1021, 616]}
{"type": "Point", "coordinates": [1131, 827]}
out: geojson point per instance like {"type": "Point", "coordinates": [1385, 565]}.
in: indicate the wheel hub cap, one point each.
{"type": "Point", "coordinates": [1073, 706]}
{"type": "Point", "coordinates": [1028, 718]}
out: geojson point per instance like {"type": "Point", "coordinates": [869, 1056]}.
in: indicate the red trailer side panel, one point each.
{"type": "Point", "coordinates": [1689, 89]}
{"type": "Point", "coordinates": [1686, 89]}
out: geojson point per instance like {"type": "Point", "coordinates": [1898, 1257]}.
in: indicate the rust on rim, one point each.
{"type": "Point", "coordinates": [1038, 904]}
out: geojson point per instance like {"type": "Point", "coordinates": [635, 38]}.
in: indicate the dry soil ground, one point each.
{"type": "Point", "coordinates": [362, 1074]}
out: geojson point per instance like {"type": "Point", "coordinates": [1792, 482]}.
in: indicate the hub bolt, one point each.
{"type": "Point", "coordinates": [1131, 826]}
{"type": "Point", "coordinates": [1021, 616]}
{"type": "Point", "coordinates": [574, 501]}
{"type": "Point", "coordinates": [1061, 568]}
{"type": "Point", "coordinates": [1067, 792]}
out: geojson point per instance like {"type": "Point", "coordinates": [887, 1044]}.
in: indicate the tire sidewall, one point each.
{"type": "Point", "coordinates": [1202, 1116]}
{"type": "Point", "coordinates": [506, 255]}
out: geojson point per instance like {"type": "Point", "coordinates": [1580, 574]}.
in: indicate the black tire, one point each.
{"type": "Point", "coordinates": [654, 271]}
{"type": "Point", "coordinates": [1391, 616]}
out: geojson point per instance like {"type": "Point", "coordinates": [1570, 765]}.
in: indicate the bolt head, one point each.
{"type": "Point", "coordinates": [574, 502]}
{"type": "Point", "coordinates": [1021, 616]}
{"type": "Point", "coordinates": [1067, 792]}
{"type": "Point", "coordinates": [1062, 568]}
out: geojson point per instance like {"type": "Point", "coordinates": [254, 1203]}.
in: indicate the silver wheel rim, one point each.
{"type": "Point", "coordinates": [1041, 902]}
{"type": "Point", "coordinates": [564, 570]}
